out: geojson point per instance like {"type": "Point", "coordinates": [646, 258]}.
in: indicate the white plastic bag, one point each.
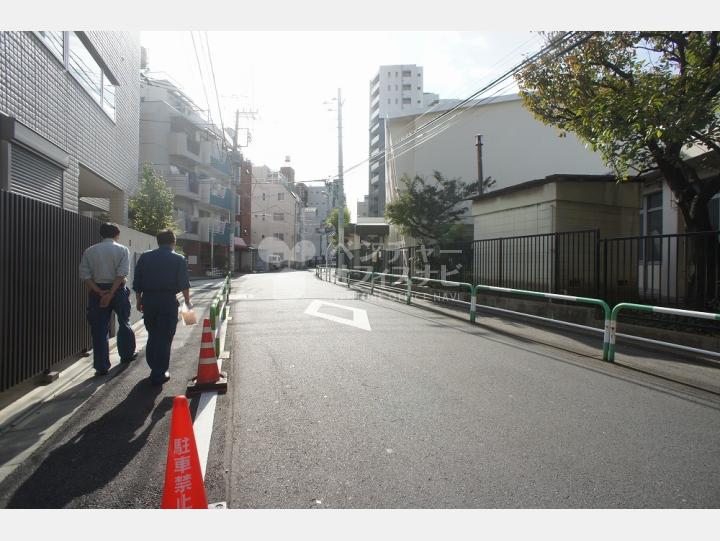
{"type": "Point", "coordinates": [188, 315]}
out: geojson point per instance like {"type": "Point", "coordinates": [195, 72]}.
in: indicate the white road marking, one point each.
{"type": "Point", "coordinates": [359, 320]}
{"type": "Point", "coordinates": [205, 416]}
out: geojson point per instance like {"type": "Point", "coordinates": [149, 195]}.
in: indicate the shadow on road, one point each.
{"type": "Point", "coordinates": [96, 454]}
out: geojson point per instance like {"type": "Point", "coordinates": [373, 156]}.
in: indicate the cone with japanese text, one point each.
{"type": "Point", "coordinates": [184, 486]}
{"type": "Point", "coordinates": [209, 377]}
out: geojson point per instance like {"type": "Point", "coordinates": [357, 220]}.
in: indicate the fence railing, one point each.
{"type": "Point", "coordinates": [674, 270]}
{"type": "Point", "coordinates": [610, 317]}
{"type": "Point", "coordinates": [679, 270]}
{"type": "Point", "coordinates": [218, 311]}
{"type": "Point", "coordinates": [42, 299]}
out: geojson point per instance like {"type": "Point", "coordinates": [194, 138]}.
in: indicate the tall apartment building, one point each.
{"type": "Point", "coordinates": [396, 90]}
{"type": "Point", "coordinates": [69, 118]}
{"type": "Point", "coordinates": [194, 158]}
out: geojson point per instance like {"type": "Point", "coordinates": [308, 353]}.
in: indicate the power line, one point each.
{"type": "Point", "coordinates": [217, 97]}
{"type": "Point", "coordinates": [418, 131]}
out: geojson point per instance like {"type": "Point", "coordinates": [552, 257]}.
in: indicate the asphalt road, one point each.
{"type": "Point", "coordinates": [111, 451]}
{"type": "Point", "coordinates": [405, 408]}
{"type": "Point", "coordinates": [425, 411]}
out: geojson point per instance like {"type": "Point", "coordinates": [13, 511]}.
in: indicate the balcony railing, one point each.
{"type": "Point", "coordinates": [223, 199]}
{"type": "Point", "coordinates": [182, 186]}
{"type": "Point", "coordinates": [181, 145]}
{"type": "Point", "coordinates": [222, 166]}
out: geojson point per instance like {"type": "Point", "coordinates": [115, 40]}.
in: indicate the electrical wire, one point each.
{"type": "Point", "coordinates": [418, 132]}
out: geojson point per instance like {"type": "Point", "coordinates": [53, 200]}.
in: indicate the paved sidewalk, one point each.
{"type": "Point", "coordinates": [27, 422]}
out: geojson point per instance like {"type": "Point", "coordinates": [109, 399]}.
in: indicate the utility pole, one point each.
{"type": "Point", "coordinates": [478, 144]}
{"type": "Point", "coordinates": [236, 174]}
{"type": "Point", "coordinates": [341, 210]}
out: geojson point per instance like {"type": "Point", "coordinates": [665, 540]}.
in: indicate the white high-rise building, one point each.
{"type": "Point", "coordinates": [396, 90]}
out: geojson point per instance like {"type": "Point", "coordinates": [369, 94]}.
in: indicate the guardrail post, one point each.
{"type": "Point", "coordinates": [408, 300]}
{"type": "Point", "coordinates": [349, 272]}
{"type": "Point", "coordinates": [473, 303]}
{"type": "Point", "coordinates": [372, 282]}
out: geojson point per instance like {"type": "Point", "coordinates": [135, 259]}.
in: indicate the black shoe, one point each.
{"type": "Point", "coordinates": [130, 359]}
{"type": "Point", "coordinates": [102, 372]}
{"type": "Point", "coordinates": [166, 377]}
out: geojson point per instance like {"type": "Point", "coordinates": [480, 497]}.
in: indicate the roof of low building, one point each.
{"type": "Point", "coordinates": [562, 177]}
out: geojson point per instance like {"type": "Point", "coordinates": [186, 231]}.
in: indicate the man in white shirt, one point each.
{"type": "Point", "coordinates": [104, 269]}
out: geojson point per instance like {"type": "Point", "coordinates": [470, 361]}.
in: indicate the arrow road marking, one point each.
{"type": "Point", "coordinates": [359, 319]}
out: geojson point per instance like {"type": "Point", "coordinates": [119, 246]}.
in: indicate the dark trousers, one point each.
{"type": "Point", "coordinates": [160, 315]}
{"type": "Point", "coordinates": [99, 319]}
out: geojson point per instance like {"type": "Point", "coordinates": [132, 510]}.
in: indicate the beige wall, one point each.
{"type": "Point", "coordinates": [264, 226]}
{"type": "Point", "coordinates": [559, 207]}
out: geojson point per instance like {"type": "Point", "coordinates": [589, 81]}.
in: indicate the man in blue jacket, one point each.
{"type": "Point", "coordinates": [159, 276]}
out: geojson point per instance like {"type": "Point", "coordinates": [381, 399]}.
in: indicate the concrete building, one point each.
{"type": "Point", "coordinates": [516, 147]}
{"type": "Point", "coordinates": [69, 118]}
{"type": "Point", "coordinates": [362, 207]}
{"type": "Point", "coordinates": [193, 157]}
{"type": "Point", "coordinates": [276, 220]}
{"type": "Point", "coordinates": [396, 90]}
{"type": "Point", "coordinates": [319, 205]}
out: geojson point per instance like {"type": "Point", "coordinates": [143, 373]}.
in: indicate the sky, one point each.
{"type": "Point", "coordinates": [288, 76]}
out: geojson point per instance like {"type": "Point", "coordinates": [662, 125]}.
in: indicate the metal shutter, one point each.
{"type": "Point", "coordinates": [35, 177]}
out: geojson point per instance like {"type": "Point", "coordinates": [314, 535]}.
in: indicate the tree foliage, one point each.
{"type": "Point", "coordinates": [151, 208]}
{"type": "Point", "coordinates": [332, 220]}
{"type": "Point", "coordinates": [430, 210]}
{"type": "Point", "coordinates": [641, 99]}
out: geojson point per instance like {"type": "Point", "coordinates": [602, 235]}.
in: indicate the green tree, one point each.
{"type": "Point", "coordinates": [641, 99]}
{"type": "Point", "coordinates": [332, 220]}
{"type": "Point", "coordinates": [151, 208]}
{"type": "Point", "coordinates": [430, 210]}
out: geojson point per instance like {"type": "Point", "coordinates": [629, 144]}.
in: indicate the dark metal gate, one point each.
{"type": "Point", "coordinates": [42, 300]}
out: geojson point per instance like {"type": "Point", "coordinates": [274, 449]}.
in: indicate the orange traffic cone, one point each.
{"type": "Point", "coordinates": [184, 486]}
{"type": "Point", "coordinates": [209, 377]}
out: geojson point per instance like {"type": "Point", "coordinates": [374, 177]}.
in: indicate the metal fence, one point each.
{"type": "Point", "coordinates": [42, 300]}
{"type": "Point", "coordinates": [679, 270]}
{"type": "Point", "coordinates": [668, 270]}
{"type": "Point", "coordinates": [563, 263]}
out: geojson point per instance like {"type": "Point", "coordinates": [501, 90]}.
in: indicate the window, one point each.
{"type": "Point", "coordinates": [396, 74]}
{"type": "Point", "coordinates": [396, 87]}
{"type": "Point", "coordinates": [263, 197]}
{"type": "Point", "coordinates": [407, 87]}
{"type": "Point", "coordinates": [54, 41]}
{"type": "Point", "coordinates": [84, 68]}
{"type": "Point", "coordinates": [279, 236]}
{"type": "Point", "coordinates": [651, 223]}
{"type": "Point", "coordinates": [419, 88]}
{"type": "Point", "coordinates": [278, 216]}
{"type": "Point", "coordinates": [407, 73]}
{"type": "Point", "coordinates": [389, 87]}
{"type": "Point", "coordinates": [81, 63]}
{"type": "Point", "coordinates": [418, 101]}
{"type": "Point", "coordinates": [388, 101]}
{"type": "Point", "coordinates": [281, 196]}
{"type": "Point", "coordinates": [407, 100]}
{"type": "Point", "coordinates": [395, 101]}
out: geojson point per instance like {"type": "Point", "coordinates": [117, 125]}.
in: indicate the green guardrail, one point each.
{"type": "Point", "coordinates": [657, 310]}
{"type": "Point", "coordinates": [583, 300]}
{"type": "Point", "coordinates": [409, 282]}
{"type": "Point", "coordinates": [218, 310]}
{"type": "Point", "coordinates": [610, 316]}
{"type": "Point", "coordinates": [607, 332]}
